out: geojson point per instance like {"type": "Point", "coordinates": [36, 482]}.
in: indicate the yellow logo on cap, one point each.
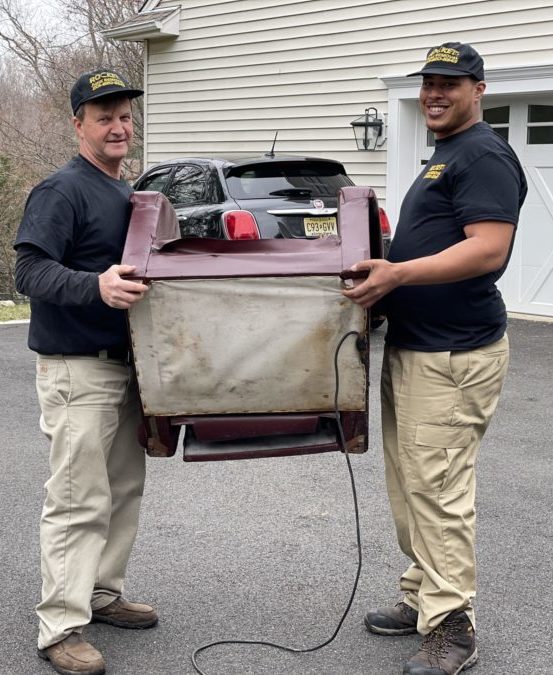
{"type": "Point", "coordinates": [435, 171]}
{"type": "Point", "coordinates": [105, 79]}
{"type": "Point", "coordinates": [446, 54]}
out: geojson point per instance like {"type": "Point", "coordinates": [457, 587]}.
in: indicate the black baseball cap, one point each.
{"type": "Point", "coordinates": [98, 83]}
{"type": "Point", "coordinates": [453, 58]}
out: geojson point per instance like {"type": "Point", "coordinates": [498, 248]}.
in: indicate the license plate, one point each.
{"type": "Point", "coordinates": [320, 227]}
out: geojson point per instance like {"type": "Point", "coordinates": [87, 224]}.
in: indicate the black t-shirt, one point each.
{"type": "Point", "coordinates": [78, 217]}
{"type": "Point", "coordinates": [472, 176]}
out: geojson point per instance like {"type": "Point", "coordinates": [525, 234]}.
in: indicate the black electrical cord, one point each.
{"type": "Point", "coordinates": [306, 650]}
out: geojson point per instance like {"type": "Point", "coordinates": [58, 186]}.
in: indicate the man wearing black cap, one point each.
{"type": "Point", "coordinates": [445, 356]}
{"type": "Point", "coordinates": [69, 246]}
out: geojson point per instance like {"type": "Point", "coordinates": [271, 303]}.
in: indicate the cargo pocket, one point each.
{"type": "Point", "coordinates": [439, 461]}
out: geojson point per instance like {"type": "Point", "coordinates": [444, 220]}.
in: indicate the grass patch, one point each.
{"type": "Point", "coordinates": [15, 313]}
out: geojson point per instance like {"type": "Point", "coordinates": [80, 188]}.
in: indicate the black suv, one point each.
{"type": "Point", "coordinates": [259, 198]}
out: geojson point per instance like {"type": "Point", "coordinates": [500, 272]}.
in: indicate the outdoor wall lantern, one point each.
{"type": "Point", "coordinates": [369, 130]}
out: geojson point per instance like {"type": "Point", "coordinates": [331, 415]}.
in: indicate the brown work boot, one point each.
{"type": "Point", "coordinates": [74, 656]}
{"type": "Point", "coordinates": [447, 650]}
{"type": "Point", "coordinates": [398, 620]}
{"type": "Point", "coordinates": [125, 614]}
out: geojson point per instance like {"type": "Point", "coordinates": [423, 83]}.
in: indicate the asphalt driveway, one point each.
{"type": "Point", "coordinates": [266, 548]}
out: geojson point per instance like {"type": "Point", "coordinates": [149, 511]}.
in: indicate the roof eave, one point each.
{"type": "Point", "coordinates": [148, 30]}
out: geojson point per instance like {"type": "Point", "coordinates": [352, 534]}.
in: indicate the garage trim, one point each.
{"type": "Point", "coordinates": [404, 120]}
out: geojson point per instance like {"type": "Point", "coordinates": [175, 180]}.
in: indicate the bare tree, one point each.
{"type": "Point", "coordinates": [12, 196]}
{"type": "Point", "coordinates": [41, 55]}
{"type": "Point", "coordinates": [98, 15]}
{"type": "Point", "coordinates": [48, 56]}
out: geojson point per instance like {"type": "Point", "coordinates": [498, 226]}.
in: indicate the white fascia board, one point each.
{"type": "Point", "coordinates": [148, 30]}
{"type": "Point", "coordinates": [499, 81]}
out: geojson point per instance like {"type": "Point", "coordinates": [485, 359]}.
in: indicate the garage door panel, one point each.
{"type": "Point", "coordinates": [544, 291]}
{"type": "Point", "coordinates": [527, 285]}
{"type": "Point", "coordinates": [536, 241]}
{"type": "Point", "coordinates": [535, 288]}
{"type": "Point", "coordinates": [534, 262]}
{"type": "Point", "coordinates": [529, 282]}
{"type": "Point", "coordinates": [540, 184]}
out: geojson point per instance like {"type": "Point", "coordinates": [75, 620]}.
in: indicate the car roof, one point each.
{"type": "Point", "coordinates": [229, 161]}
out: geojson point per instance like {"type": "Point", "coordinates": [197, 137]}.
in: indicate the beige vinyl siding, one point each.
{"type": "Point", "coordinates": [243, 69]}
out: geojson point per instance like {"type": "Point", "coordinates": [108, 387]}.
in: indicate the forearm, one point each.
{"type": "Point", "coordinates": [467, 259]}
{"type": "Point", "coordinates": [483, 251]}
{"type": "Point", "coordinates": [42, 278]}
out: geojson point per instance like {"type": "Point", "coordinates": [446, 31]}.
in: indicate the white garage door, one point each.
{"type": "Point", "coordinates": [527, 123]}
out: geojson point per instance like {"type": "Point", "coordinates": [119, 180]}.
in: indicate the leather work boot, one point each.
{"type": "Point", "coordinates": [125, 614]}
{"type": "Point", "coordinates": [447, 650]}
{"type": "Point", "coordinates": [74, 656]}
{"type": "Point", "coordinates": [398, 620]}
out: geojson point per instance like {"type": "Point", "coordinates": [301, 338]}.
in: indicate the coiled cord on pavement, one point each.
{"type": "Point", "coordinates": [306, 650]}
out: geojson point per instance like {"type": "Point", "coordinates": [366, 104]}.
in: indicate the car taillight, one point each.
{"type": "Point", "coordinates": [384, 223]}
{"type": "Point", "coordinates": [240, 225]}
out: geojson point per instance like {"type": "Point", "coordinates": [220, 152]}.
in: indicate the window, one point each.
{"type": "Point", "coordinates": [156, 180]}
{"type": "Point", "coordinates": [188, 185]}
{"type": "Point", "coordinates": [498, 119]}
{"type": "Point", "coordinates": [304, 179]}
{"type": "Point", "coordinates": [540, 125]}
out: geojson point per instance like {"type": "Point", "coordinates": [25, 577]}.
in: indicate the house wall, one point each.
{"type": "Point", "coordinates": [243, 69]}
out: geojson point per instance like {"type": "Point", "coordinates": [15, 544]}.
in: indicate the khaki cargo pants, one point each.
{"type": "Point", "coordinates": [436, 407]}
{"type": "Point", "coordinates": [90, 414]}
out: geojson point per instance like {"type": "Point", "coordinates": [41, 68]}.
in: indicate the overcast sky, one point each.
{"type": "Point", "coordinates": [44, 11]}
{"type": "Point", "coordinates": [41, 5]}
{"type": "Point", "coordinates": [42, 16]}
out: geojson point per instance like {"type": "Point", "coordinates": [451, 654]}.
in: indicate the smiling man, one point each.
{"type": "Point", "coordinates": [69, 246]}
{"type": "Point", "coordinates": [445, 356]}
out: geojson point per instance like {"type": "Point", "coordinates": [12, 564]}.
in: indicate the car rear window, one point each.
{"type": "Point", "coordinates": [262, 181]}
